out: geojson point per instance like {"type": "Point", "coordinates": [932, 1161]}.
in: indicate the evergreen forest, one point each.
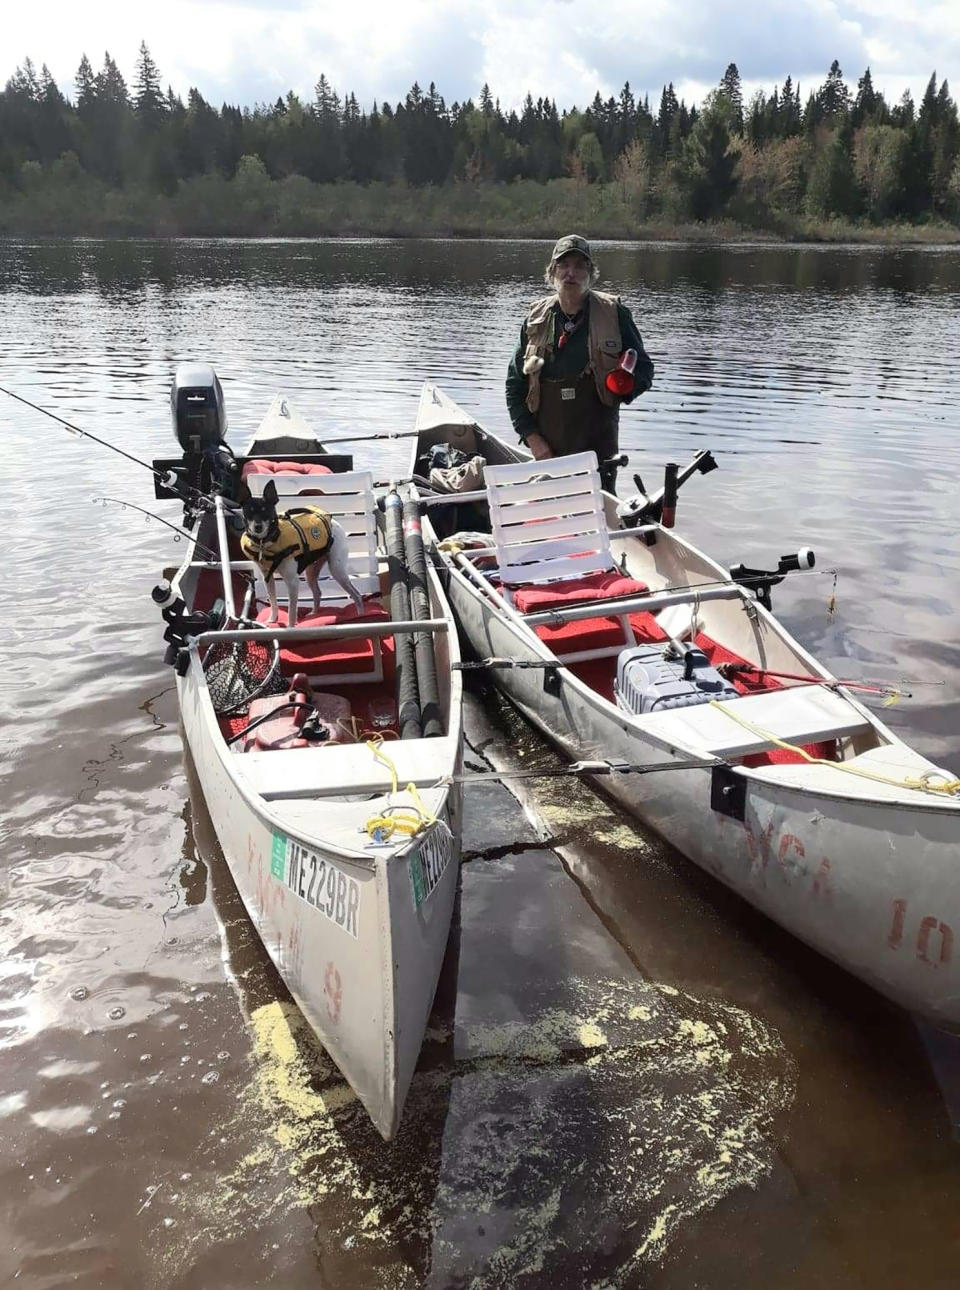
{"type": "Point", "coordinates": [119, 159]}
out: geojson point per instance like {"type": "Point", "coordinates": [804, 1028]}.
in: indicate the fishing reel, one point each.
{"type": "Point", "coordinates": [183, 626]}
{"type": "Point", "coordinates": [659, 507]}
{"type": "Point", "coordinates": [761, 580]}
{"type": "Point", "coordinates": [200, 476]}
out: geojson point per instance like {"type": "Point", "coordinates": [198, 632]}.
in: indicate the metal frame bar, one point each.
{"type": "Point", "coordinates": [225, 566]}
{"type": "Point", "coordinates": [637, 604]}
{"type": "Point", "coordinates": [344, 631]}
{"type": "Point", "coordinates": [614, 535]}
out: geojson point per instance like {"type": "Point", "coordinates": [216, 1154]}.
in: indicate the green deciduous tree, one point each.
{"type": "Point", "coordinates": [709, 163]}
{"type": "Point", "coordinates": [832, 190]}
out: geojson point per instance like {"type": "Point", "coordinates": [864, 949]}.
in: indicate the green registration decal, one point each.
{"type": "Point", "coordinates": [321, 884]}
{"type": "Point", "coordinates": [428, 863]}
{"type": "Point", "coordinates": [278, 857]}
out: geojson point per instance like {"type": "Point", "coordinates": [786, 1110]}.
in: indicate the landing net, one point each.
{"type": "Point", "coordinates": [239, 672]}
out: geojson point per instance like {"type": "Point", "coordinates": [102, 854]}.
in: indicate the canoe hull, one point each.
{"type": "Point", "coordinates": [357, 931]}
{"type": "Point", "coordinates": [357, 945]}
{"type": "Point", "coordinates": [871, 885]}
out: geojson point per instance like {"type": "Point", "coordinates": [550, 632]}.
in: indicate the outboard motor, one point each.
{"type": "Point", "coordinates": [200, 424]}
{"type": "Point", "coordinates": [197, 407]}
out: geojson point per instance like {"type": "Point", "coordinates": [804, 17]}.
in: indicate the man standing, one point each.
{"type": "Point", "coordinates": [557, 392]}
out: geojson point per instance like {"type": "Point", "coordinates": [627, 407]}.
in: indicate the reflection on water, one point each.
{"type": "Point", "coordinates": [160, 1101]}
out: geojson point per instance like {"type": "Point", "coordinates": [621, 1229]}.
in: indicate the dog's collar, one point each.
{"type": "Point", "coordinates": [271, 535]}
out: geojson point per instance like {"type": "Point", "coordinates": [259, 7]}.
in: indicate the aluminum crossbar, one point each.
{"type": "Point", "coordinates": [338, 631]}
{"type": "Point", "coordinates": [636, 604]}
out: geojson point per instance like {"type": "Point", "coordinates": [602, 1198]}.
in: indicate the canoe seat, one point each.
{"type": "Point", "coordinates": [801, 714]}
{"type": "Point", "coordinates": [576, 591]}
{"type": "Point", "coordinates": [349, 499]}
{"type": "Point", "coordinates": [553, 547]}
{"type": "Point", "coordinates": [263, 466]}
{"type": "Point", "coordinates": [354, 659]}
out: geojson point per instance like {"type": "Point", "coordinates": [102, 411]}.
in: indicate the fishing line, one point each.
{"type": "Point", "coordinates": [180, 532]}
{"type": "Point", "coordinates": [168, 478]}
{"type": "Point", "coordinates": [581, 769]}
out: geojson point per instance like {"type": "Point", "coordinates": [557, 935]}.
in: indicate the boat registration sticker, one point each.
{"type": "Point", "coordinates": [428, 863]}
{"type": "Point", "coordinates": [321, 884]}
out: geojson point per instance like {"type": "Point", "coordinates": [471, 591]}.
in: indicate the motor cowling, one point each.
{"type": "Point", "coordinates": [197, 407]}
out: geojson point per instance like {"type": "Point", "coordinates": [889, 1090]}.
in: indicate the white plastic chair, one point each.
{"type": "Point", "coordinates": [349, 499]}
{"type": "Point", "coordinates": [549, 525]}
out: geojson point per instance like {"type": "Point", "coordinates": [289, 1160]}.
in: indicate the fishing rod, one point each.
{"type": "Point", "coordinates": [168, 478]}
{"type": "Point", "coordinates": [893, 693]}
{"type": "Point", "coordinates": [370, 438]}
{"type": "Point", "coordinates": [180, 532]}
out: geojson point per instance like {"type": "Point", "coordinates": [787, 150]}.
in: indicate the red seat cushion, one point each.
{"type": "Point", "coordinates": [597, 633]}
{"type": "Point", "coordinates": [321, 657]}
{"type": "Point", "coordinates": [572, 591]}
{"type": "Point", "coordinates": [261, 467]}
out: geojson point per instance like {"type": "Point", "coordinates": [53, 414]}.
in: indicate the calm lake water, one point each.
{"type": "Point", "coordinates": [752, 1115]}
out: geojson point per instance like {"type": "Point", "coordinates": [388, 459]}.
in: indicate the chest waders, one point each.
{"type": "Point", "coordinates": [572, 419]}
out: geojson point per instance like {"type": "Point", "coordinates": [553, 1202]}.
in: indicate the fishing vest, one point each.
{"type": "Point", "coordinates": [604, 343]}
{"type": "Point", "coordinates": [304, 532]}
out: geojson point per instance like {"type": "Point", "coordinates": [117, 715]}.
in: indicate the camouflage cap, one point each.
{"type": "Point", "coordinates": [571, 242]}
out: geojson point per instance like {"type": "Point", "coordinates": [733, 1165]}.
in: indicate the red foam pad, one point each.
{"type": "Point", "coordinates": [825, 751]}
{"type": "Point", "coordinates": [598, 633]}
{"type": "Point", "coordinates": [321, 657]}
{"type": "Point", "coordinates": [261, 467]}
{"type": "Point", "coordinates": [571, 591]}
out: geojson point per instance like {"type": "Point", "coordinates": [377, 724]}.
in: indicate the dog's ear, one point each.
{"type": "Point", "coordinates": [270, 492]}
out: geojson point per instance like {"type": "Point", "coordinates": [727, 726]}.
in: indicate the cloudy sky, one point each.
{"type": "Point", "coordinates": [251, 51]}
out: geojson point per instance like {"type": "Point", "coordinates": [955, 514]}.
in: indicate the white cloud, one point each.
{"type": "Point", "coordinates": [255, 51]}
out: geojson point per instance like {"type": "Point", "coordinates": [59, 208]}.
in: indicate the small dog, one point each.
{"type": "Point", "coordinates": [301, 540]}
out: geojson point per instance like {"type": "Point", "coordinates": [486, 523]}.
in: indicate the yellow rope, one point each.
{"type": "Point", "coordinates": [376, 747]}
{"type": "Point", "coordinates": [923, 784]}
{"type": "Point", "coordinates": [396, 818]}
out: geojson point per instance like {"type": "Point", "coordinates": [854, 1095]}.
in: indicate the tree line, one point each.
{"type": "Point", "coordinates": [837, 154]}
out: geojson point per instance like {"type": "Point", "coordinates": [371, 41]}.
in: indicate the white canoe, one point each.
{"type": "Point", "coordinates": [858, 857]}
{"type": "Point", "coordinates": [357, 930]}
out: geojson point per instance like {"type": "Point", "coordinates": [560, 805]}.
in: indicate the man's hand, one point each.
{"type": "Point", "coordinates": [539, 447]}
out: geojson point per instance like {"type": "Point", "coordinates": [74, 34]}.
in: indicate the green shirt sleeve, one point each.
{"type": "Point", "coordinates": [632, 340]}
{"type": "Point", "coordinates": [516, 390]}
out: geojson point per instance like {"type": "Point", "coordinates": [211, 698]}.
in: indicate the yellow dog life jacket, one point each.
{"type": "Point", "coordinates": [303, 532]}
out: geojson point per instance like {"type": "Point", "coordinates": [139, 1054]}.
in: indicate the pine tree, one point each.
{"type": "Point", "coordinates": [867, 101]}
{"type": "Point", "coordinates": [85, 86]}
{"type": "Point", "coordinates": [903, 114]}
{"type": "Point", "coordinates": [327, 101]}
{"type": "Point", "coordinates": [834, 97]}
{"type": "Point", "coordinates": [111, 88]}
{"type": "Point", "coordinates": [149, 103]}
{"type": "Point", "coordinates": [708, 170]}
{"type": "Point", "coordinates": [732, 90]}
{"type": "Point", "coordinates": [23, 83]}
{"type": "Point", "coordinates": [791, 121]}
{"type": "Point", "coordinates": [669, 107]}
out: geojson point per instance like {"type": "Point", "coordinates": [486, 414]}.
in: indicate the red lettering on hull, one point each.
{"type": "Point", "coordinates": [822, 886]}
{"type": "Point", "coordinates": [928, 927]}
{"type": "Point", "coordinates": [934, 939]}
{"type": "Point", "coordinates": [333, 989]}
{"type": "Point", "coordinates": [895, 939]}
